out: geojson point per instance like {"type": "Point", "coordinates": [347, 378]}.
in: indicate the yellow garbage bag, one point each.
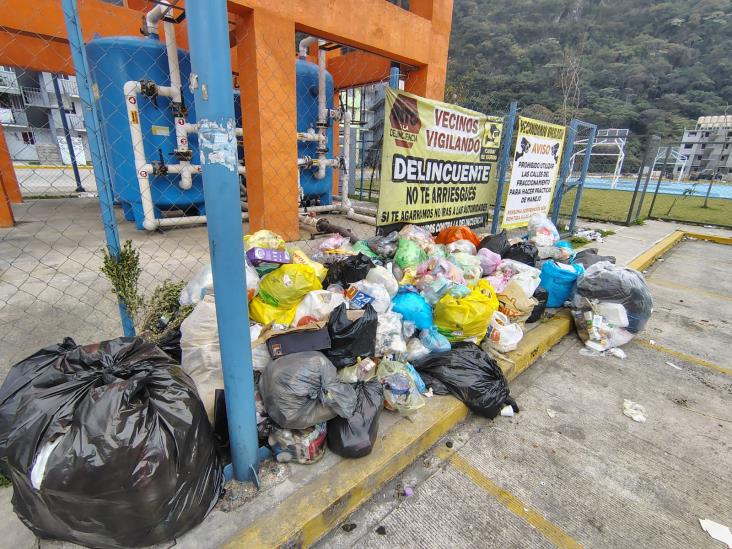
{"type": "Point", "coordinates": [300, 257]}
{"type": "Point", "coordinates": [263, 239]}
{"type": "Point", "coordinates": [264, 313]}
{"type": "Point", "coordinates": [487, 289]}
{"type": "Point", "coordinates": [286, 286]}
{"type": "Point", "coordinates": [464, 318]}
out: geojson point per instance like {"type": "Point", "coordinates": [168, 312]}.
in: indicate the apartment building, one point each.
{"type": "Point", "coordinates": [707, 146]}
{"type": "Point", "coordinates": [31, 117]}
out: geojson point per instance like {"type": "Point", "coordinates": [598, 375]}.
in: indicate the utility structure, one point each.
{"type": "Point", "coordinates": [261, 34]}
{"type": "Point", "coordinates": [608, 142]}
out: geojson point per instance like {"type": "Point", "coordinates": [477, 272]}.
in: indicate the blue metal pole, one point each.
{"type": "Point", "coordinates": [503, 161]}
{"type": "Point", "coordinates": [208, 36]}
{"type": "Point", "coordinates": [583, 175]}
{"type": "Point", "coordinates": [394, 78]}
{"type": "Point", "coordinates": [564, 170]}
{"type": "Point", "coordinates": [91, 121]}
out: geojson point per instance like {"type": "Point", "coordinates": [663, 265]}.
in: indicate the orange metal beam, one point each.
{"type": "Point", "coordinates": [376, 26]}
{"type": "Point", "coordinates": [266, 56]}
{"type": "Point", "coordinates": [7, 172]}
{"type": "Point", "coordinates": [357, 68]}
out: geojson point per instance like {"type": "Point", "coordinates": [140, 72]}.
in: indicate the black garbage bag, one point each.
{"type": "Point", "coordinates": [354, 437]}
{"type": "Point", "coordinates": [384, 246]}
{"type": "Point", "coordinates": [351, 339]}
{"type": "Point", "coordinates": [170, 343]}
{"type": "Point", "coordinates": [348, 271]}
{"type": "Point", "coordinates": [302, 389]}
{"type": "Point", "coordinates": [107, 445]}
{"type": "Point", "coordinates": [589, 256]}
{"type": "Point", "coordinates": [497, 243]}
{"type": "Point", "coordinates": [524, 252]}
{"type": "Point", "coordinates": [542, 296]}
{"type": "Point", "coordinates": [468, 373]}
{"type": "Point", "coordinates": [604, 281]}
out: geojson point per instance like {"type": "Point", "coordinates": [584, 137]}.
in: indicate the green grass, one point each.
{"type": "Point", "coordinates": [579, 241]}
{"type": "Point", "coordinates": [4, 482]}
{"type": "Point", "coordinates": [604, 205]}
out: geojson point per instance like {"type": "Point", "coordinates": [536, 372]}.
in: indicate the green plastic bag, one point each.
{"type": "Point", "coordinates": [363, 247]}
{"type": "Point", "coordinates": [409, 254]}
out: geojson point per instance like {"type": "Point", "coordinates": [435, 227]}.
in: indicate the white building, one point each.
{"type": "Point", "coordinates": [708, 147]}
{"type": "Point", "coordinates": [31, 117]}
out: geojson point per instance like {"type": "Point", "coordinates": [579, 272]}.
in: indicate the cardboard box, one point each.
{"type": "Point", "coordinates": [257, 256]}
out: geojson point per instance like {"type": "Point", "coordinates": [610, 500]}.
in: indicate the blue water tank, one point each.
{"type": "Point", "coordinates": [114, 61]}
{"type": "Point", "coordinates": [307, 117]}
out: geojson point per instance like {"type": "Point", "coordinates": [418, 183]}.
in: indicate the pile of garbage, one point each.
{"type": "Point", "coordinates": [385, 322]}
{"type": "Point", "coordinates": [99, 438]}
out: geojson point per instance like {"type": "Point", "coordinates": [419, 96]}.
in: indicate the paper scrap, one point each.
{"type": "Point", "coordinates": [634, 411]}
{"type": "Point", "coordinates": [717, 531]}
{"type": "Point", "coordinates": [507, 411]}
{"type": "Point", "coordinates": [673, 365]}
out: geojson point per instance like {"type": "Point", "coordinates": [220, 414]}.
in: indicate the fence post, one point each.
{"type": "Point", "coordinates": [629, 219]}
{"type": "Point", "coordinates": [503, 161]}
{"type": "Point", "coordinates": [67, 134]}
{"type": "Point", "coordinates": [208, 36]}
{"type": "Point", "coordinates": [564, 168]}
{"type": "Point", "coordinates": [581, 181]}
{"type": "Point", "coordinates": [91, 121]}
{"type": "Point", "coordinates": [655, 141]}
{"type": "Point", "coordinates": [660, 178]}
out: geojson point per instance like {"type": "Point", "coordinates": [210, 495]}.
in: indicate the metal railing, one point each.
{"type": "Point", "coordinates": [34, 97]}
{"type": "Point", "coordinates": [75, 122]}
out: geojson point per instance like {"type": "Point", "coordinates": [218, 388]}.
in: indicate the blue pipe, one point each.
{"type": "Point", "coordinates": [394, 78]}
{"type": "Point", "coordinates": [506, 141]}
{"type": "Point", "coordinates": [208, 36]}
{"type": "Point", "coordinates": [91, 121]}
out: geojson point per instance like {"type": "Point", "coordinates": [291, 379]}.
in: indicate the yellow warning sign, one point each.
{"type": "Point", "coordinates": [134, 117]}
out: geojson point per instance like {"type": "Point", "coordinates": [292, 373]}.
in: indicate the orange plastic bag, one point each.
{"type": "Point", "coordinates": [459, 232]}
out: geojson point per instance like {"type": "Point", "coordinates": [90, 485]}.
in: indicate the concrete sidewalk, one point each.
{"type": "Point", "coordinates": [571, 470]}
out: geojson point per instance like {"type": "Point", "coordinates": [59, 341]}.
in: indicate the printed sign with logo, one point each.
{"type": "Point", "coordinates": [437, 162]}
{"type": "Point", "coordinates": [534, 173]}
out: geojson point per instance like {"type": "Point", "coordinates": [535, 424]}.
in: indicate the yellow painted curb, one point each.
{"type": "Point", "coordinates": [308, 514]}
{"type": "Point", "coordinates": [647, 258]}
{"type": "Point", "coordinates": [711, 238]}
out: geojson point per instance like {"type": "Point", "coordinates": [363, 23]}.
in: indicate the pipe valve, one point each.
{"type": "Point", "coordinates": [158, 166]}
{"type": "Point", "coordinates": [149, 89]}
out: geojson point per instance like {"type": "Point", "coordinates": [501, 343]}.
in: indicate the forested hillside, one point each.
{"type": "Point", "coordinates": [653, 67]}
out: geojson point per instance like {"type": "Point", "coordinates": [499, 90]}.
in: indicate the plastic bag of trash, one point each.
{"type": "Point", "coordinates": [448, 235]}
{"type": "Point", "coordinates": [389, 339]}
{"type": "Point", "coordinates": [348, 271]}
{"type": "Point", "coordinates": [281, 291]}
{"type": "Point", "coordinates": [488, 261]}
{"type": "Point", "coordinates": [354, 437]}
{"type": "Point", "coordinates": [503, 336]}
{"type": "Point", "coordinates": [600, 332]}
{"type": "Point", "coordinates": [515, 304]}
{"type": "Point", "coordinates": [409, 254]}
{"type": "Point", "coordinates": [605, 282]}
{"type": "Point", "coordinates": [464, 318]}
{"type": "Point", "coordinates": [264, 239]}
{"type": "Point", "coordinates": [300, 257]}
{"type": "Point", "coordinates": [400, 389]}
{"type": "Point", "coordinates": [468, 373]}
{"type": "Point", "coordinates": [436, 268]}
{"type": "Point", "coordinates": [413, 307]}
{"type": "Point", "coordinates": [464, 246]}
{"type": "Point", "coordinates": [497, 243]}
{"type": "Point", "coordinates": [381, 299]}
{"type": "Point", "coordinates": [317, 305]}
{"type": "Point", "coordinates": [384, 277]}
{"type": "Point", "coordinates": [542, 231]}
{"type": "Point", "coordinates": [523, 251]}
{"type": "Point", "coordinates": [469, 265]}
{"type": "Point", "coordinates": [362, 247]}
{"type": "Point", "coordinates": [202, 284]}
{"type": "Point", "coordinates": [352, 335]}
{"type": "Point", "coordinates": [589, 256]}
{"type": "Point", "coordinates": [300, 390]}
{"type": "Point", "coordinates": [434, 341]}
{"type": "Point", "coordinates": [484, 286]}
{"type": "Point", "coordinates": [107, 445]}
{"type": "Point", "coordinates": [559, 279]}
{"type": "Point", "coordinates": [541, 296]}
{"type": "Point", "coordinates": [416, 349]}
{"type": "Point", "coordinates": [418, 234]}
{"type": "Point", "coordinates": [527, 276]}
{"type": "Point", "coordinates": [384, 246]}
